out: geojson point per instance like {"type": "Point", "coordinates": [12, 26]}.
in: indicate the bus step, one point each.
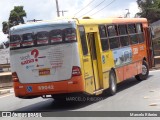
{"type": "Point", "coordinates": [46, 96]}
{"type": "Point", "coordinates": [98, 92]}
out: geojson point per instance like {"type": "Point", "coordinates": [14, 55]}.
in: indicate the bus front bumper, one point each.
{"type": "Point", "coordinates": [23, 90]}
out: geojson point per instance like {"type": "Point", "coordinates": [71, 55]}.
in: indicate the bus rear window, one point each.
{"type": "Point", "coordinates": [42, 37]}
{"type": "Point", "coordinates": [27, 39]}
{"type": "Point", "coordinates": [70, 34]}
{"type": "Point", "coordinates": [56, 36]}
{"type": "Point", "coordinates": [15, 41]}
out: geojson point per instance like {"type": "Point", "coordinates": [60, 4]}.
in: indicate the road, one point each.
{"type": "Point", "coordinates": [131, 96]}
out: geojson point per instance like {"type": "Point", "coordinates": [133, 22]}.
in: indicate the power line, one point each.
{"type": "Point", "coordinates": [93, 8]}
{"type": "Point", "coordinates": [104, 7]}
{"type": "Point", "coordinates": [84, 7]}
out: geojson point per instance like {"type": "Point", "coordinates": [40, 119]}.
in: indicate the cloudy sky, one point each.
{"type": "Point", "coordinates": [46, 9]}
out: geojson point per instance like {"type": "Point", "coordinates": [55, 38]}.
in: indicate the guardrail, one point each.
{"type": "Point", "coordinates": [6, 79]}
{"type": "Point", "coordinates": [5, 76]}
{"type": "Point", "coordinates": [157, 59]}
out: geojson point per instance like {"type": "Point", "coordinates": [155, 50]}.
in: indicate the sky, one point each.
{"type": "Point", "coordinates": [46, 9]}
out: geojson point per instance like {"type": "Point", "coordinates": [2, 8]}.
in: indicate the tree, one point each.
{"type": "Point", "coordinates": [15, 18]}
{"type": "Point", "coordinates": [150, 9]}
{"type": "Point", "coordinates": [5, 27]}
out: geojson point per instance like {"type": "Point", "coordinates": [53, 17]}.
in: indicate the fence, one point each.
{"type": "Point", "coordinates": [5, 74]}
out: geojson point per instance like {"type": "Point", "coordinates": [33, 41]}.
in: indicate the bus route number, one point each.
{"type": "Point", "coordinates": [46, 87]}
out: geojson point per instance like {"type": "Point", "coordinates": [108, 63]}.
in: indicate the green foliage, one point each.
{"type": "Point", "coordinates": [15, 18]}
{"type": "Point", "coordinates": [150, 9]}
{"type": "Point", "coordinates": [16, 15]}
{"type": "Point", "coordinates": [5, 27]}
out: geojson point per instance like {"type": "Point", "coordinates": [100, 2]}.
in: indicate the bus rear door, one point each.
{"type": "Point", "coordinates": [93, 53]}
{"type": "Point", "coordinates": [91, 58]}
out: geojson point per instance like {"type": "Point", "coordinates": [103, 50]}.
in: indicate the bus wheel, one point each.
{"type": "Point", "coordinates": [112, 83]}
{"type": "Point", "coordinates": [145, 72]}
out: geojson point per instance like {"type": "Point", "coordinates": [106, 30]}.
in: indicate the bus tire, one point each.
{"type": "Point", "coordinates": [112, 83]}
{"type": "Point", "coordinates": [145, 72]}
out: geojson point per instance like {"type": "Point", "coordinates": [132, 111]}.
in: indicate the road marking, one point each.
{"type": "Point", "coordinates": [155, 71]}
{"type": "Point", "coordinates": [6, 95]}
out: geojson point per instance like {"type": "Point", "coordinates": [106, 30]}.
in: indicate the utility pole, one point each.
{"type": "Point", "coordinates": [127, 14]}
{"type": "Point", "coordinates": [63, 12]}
{"type": "Point", "coordinates": [57, 6]}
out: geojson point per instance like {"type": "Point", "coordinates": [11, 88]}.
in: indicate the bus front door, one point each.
{"type": "Point", "coordinates": [93, 53]}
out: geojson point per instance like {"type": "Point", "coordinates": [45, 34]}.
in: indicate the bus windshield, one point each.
{"type": "Point", "coordinates": [70, 34]}
{"type": "Point", "coordinates": [15, 38]}
{"type": "Point", "coordinates": [56, 36]}
{"type": "Point", "coordinates": [42, 37]}
{"type": "Point", "coordinates": [15, 41]}
{"type": "Point", "coordinates": [27, 37]}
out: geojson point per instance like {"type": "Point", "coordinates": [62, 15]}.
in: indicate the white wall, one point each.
{"type": "Point", "coordinates": [4, 56]}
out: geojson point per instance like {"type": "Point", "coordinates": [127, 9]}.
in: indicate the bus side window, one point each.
{"type": "Point", "coordinates": [102, 31]}
{"type": "Point", "coordinates": [83, 40]}
{"type": "Point", "coordinates": [113, 36]}
{"type": "Point", "coordinates": [132, 33]}
{"type": "Point", "coordinates": [103, 37]}
{"type": "Point", "coordinates": [112, 30]}
{"type": "Point", "coordinates": [140, 35]}
{"type": "Point", "coordinates": [124, 39]}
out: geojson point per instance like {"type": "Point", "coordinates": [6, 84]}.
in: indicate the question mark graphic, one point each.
{"type": "Point", "coordinates": [35, 52]}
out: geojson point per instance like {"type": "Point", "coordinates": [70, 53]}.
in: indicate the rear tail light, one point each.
{"type": "Point", "coordinates": [15, 77]}
{"type": "Point", "coordinates": [76, 71]}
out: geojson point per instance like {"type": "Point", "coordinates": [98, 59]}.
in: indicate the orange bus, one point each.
{"type": "Point", "coordinates": [72, 56]}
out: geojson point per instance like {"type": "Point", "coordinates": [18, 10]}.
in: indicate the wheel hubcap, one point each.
{"type": "Point", "coordinates": [113, 83]}
{"type": "Point", "coordinates": [144, 70]}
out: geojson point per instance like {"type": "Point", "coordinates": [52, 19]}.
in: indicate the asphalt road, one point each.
{"type": "Point", "coordinates": [131, 96]}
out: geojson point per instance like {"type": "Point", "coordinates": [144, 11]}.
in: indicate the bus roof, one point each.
{"type": "Point", "coordinates": [42, 23]}
{"type": "Point", "coordinates": [112, 20]}
{"type": "Point", "coordinates": [87, 21]}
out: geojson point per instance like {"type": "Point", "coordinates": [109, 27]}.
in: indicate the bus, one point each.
{"type": "Point", "coordinates": [74, 56]}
